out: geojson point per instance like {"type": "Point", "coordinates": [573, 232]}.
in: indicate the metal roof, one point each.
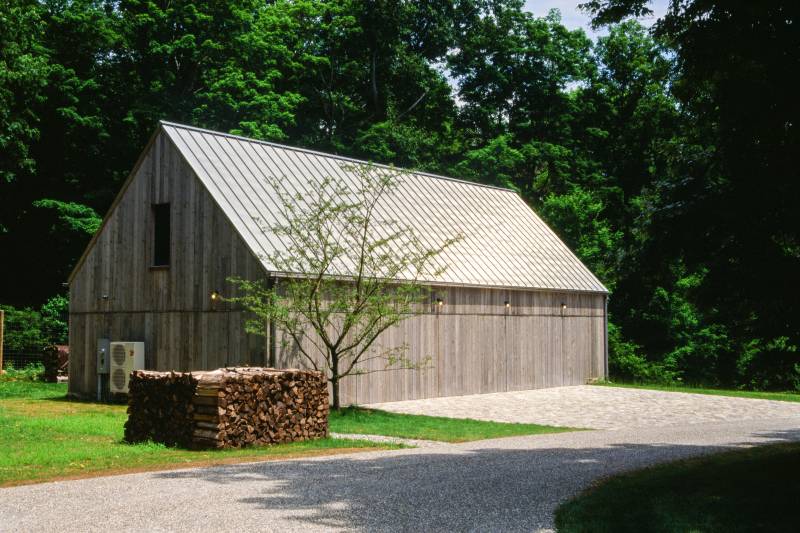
{"type": "Point", "coordinates": [504, 243]}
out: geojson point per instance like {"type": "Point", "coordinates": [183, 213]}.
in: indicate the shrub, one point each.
{"type": "Point", "coordinates": [28, 330]}
{"type": "Point", "coordinates": [625, 363]}
{"type": "Point", "coordinates": [31, 372]}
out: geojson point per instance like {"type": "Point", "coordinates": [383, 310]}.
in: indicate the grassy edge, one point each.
{"type": "Point", "coordinates": [29, 401]}
{"type": "Point", "coordinates": [434, 428]}
{"type": "Point", "coordinates": [755, 395]}
{"type": "Point", "coordinates": [594, 508]}
{"type": "Point", "coordinates": [47, 401]}
{"type": "Point", "coordinates": [253, 458]}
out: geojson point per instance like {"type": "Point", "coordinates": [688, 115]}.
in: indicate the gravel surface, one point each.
{"type": "Point", "coordinates": [592, 406]}
{"type": "Point", "coordinates": [511, 484]}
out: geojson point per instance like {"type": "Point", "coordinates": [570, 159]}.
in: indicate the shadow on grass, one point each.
{"type": "Point", "coordinates": [452, 488]}
{"type": "Point", "coordinates": [85, 401]}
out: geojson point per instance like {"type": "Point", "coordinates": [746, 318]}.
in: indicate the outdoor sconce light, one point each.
{"type": "Point", "coordinates": [215, 297]}
{"type": "Point", "coordinates": [507, 304]}
{"type": "Point", "coordinates": [563, 306]}
{"type": "Point", "coordinates": [439, 302]}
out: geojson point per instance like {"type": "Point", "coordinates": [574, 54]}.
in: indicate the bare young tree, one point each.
{"type": "Point", "coordinates": [347, 273]}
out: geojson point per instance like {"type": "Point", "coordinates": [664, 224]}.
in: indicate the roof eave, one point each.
{"type": "Point", "coordinates": [276, 274]}
{"type": "Point", "coordinates": [117, 200]}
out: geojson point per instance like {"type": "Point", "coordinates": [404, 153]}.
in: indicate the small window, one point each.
{"type": "Point", "coordinates": [161, 233]}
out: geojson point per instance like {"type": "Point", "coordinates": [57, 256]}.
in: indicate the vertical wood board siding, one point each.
{"type": "Point", "coordinates": [473, 354]}
{"type": "Point", "coordinates": [168, 308]}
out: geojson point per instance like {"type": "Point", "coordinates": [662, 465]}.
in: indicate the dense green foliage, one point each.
{"type": "Point", "coordinates": [28, 330]}
{"type": "Point", "coordinates": [665, 158]}
{"type": "Point", "coordinates": [739, 491]}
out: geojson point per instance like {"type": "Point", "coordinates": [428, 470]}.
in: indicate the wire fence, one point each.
{"type": "Point", "coordinates": [27, 337]}
{"type": "Point", "coordinates": [21, 359]}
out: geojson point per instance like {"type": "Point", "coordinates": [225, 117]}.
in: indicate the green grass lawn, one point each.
{"type": "Point", "coordinates": [757, 489]}
{"type": "Point", "coordinates": [43, 436]}
{"type": "Point", "coordinates": [374, 422]}
{"type": "Point", "coordinates": [779, 396]}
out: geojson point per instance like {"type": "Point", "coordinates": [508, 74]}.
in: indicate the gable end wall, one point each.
{"type": "Point", "coordinates": [170, 309]}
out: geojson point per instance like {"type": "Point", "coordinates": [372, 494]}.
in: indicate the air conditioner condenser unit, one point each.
{"type": "Point", "coordinates": [125, 358]}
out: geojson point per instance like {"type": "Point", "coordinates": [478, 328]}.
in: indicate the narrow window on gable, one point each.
{"type": "Point", "coordinates": [161, 234]}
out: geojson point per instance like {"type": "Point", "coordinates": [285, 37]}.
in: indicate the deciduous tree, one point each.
{"type": "Point", "coordinates": [347, 272]}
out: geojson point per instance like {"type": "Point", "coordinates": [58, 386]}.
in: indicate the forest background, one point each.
{"type": "Point", "coordinates": [666, 157]}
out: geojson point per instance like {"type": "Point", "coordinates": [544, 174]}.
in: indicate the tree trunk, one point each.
{"type": "Point", "coordinates": [375, 82]}
{"type": "Point", "coordinates": [335, 387]}
{"type": "Point", "coordinates": [335, 381]}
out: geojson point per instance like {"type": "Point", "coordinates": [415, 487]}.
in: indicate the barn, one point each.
{"type": "Point", "coordinates": [518, 309]}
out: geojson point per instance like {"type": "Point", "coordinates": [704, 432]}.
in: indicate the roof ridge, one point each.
{"type": "Point", "coordinates": [335, 156]}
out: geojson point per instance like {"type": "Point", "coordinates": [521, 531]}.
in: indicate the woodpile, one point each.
{"type": "Point", "coordinates": [229, 407]}
{"type": "Point", "coordinates": [50, 362]}
{"type": "Point", "coordinates": [161, 408]}
{"type": "Point", "coordinates": [55, 359]}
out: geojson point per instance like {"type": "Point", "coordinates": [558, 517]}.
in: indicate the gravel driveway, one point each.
{"type": "Point", "coordinates": [599, 407]}
{"type": "Point", "coordinates": [495, 485]}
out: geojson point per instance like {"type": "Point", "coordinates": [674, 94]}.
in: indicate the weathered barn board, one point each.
{"type": "Point", "coordinates": [544, 327]}
{"type": "Point", "coordinates": [169, 308]}
{"type": "Point", "coordinates": [490, 349]}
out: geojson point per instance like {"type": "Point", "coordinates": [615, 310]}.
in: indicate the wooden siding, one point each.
{"type": "Point", "coordinates": [170, 309]}
{"type": "Point", "coordinates": [474, 343]}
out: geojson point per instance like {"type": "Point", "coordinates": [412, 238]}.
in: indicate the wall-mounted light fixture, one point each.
{"type": "Point", "coordinates": [563, 306]}
{"type": "Point", "coordinates": [507, 304]}
{"type": "Point", "coordinates": [439, 302]}
{"type": "Point", "coordinates": [215, 296]}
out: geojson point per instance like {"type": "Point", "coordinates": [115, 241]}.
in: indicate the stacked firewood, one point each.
{"type": "Point", "coordinates": [50, 362]}
{"type": "Point", "coordinates": [161, 407]}
{"type": "Point", "coordinates": [230, 407]}
{"type": "Point", "coordinates": [254, 406]}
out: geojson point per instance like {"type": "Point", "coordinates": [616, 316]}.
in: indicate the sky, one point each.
{"type": "Point", "coordinates": [573, 18]}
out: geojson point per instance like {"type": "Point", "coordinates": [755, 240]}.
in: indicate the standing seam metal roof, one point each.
{"type": "Point", "coordinates": [504, 244]}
